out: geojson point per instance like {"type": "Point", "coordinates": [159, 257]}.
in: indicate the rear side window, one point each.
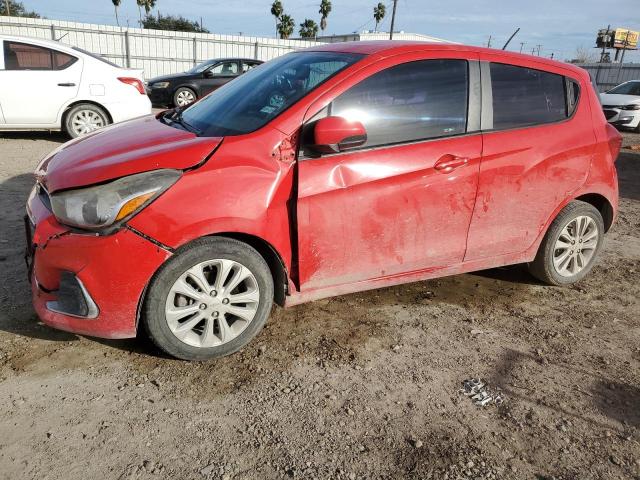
{"type": "Point", "coordinates": [20, 56]}
{"type": "Point", "coordinates": [23, 56]}
{"type": "Point", "coordinates": [409, 102]}
{"type": "Point", "coordinates": [524, 96]}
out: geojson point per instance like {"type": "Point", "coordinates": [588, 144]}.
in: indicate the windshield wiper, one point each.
{"type": "Point", "coordinates": [174, 116]}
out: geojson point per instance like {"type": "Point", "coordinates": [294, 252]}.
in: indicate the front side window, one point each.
{"type": "Point", "coordinates": [224, 69]}
{"type": "Point", "coordinates": [260, 95]}
{"type": "Point", "coordinates": [525, 97]}
{"type": "Point", "coordinates": [409, 102]}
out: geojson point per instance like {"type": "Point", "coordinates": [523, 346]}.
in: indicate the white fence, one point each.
{"type": "Point", "coordinates": [157, 52]}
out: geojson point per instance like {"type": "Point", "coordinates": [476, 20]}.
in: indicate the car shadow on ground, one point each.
{"type": "Point", "coordinates": [48, 135]}
{"type": "Point", "coordinates": [628, 166]}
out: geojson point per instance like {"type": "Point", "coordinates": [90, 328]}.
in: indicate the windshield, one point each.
{"type": "Point", "coordinates": [629, 88]}
{"type": "Point", "coordinates": [201, 67]}
{"type": "Point", "coordinates": [261, 94]}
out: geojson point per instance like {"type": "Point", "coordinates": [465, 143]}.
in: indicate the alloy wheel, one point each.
{"type": "Point", "coordinates": [212, 303]}
{"type": "Point", "coordinates": [184, 97]}
{"type": "Point", "coordinates": [575, 246]}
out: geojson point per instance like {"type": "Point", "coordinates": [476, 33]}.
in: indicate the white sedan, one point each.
{"type": "Point", "coordinates": [45, 85]}
{"type": "Point", "coordinates": [621, 105]}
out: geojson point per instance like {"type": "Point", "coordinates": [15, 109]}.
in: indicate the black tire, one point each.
{"type": "Point", "coordinates": [542, 266]}
{"type": "Point", "coordinates": [89, 107]}
{"type": "Point", "coordinates": [183, 90]}
{"type": "Point", "coordinates": [153, 312]}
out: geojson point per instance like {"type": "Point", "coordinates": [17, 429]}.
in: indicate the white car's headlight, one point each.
{"type": "Point", "coordinates": [101, 206]}
{"type": "Point", "coordinates": [160, 85]}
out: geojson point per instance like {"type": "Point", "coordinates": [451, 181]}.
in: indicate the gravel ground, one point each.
{"type": "Point", "coordinates": [360, 386]}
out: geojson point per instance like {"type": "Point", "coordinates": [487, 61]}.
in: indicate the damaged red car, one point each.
{"type": "Point", "coordinates": [337, 169]}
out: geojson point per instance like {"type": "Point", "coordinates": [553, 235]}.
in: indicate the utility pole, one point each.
{"type": "Point", "coordinates": [522, 44]}
{"type": "Point", "coordinates": [8, 3]}
{"type": "Point", "coordinates": [538, 48]}
{"type": "Point", "coordinates": [393, 19]}
{"type": "Point", "coordinates": [489, 42]}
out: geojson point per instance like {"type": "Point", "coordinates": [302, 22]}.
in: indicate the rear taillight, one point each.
{"type": "Point", "coordinates": [134, 82]}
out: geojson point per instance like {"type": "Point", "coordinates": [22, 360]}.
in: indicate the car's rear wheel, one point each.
{"type": "Point", "coordinates": [209, 300]}
{"type": "Point", "coordinates": [184, 96]}
{"type": "Point", "coordinates": [85, 118]}
{"type": "Point", "coordinates": [571, 245]}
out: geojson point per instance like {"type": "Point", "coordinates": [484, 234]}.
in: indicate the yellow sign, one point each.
{"type": "Point", "coordinates": [627, 39]}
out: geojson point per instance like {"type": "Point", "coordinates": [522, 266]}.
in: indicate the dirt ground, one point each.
{"type": "Point", "coordinates": [360, 386]}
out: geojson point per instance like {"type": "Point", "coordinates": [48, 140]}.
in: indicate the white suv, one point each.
{"type": "Point", "coordinates": [45, 85]}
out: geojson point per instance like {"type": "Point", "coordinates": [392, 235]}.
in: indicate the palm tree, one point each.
{"type": "Point", "coordinates": [378, 13]}
{"type": "Point", "coordinates": [308, 29]}
{"type": "Point", "coordinates": [325, 10]}
{"type": "Point", "coordinates": [141, 3]}
{"type": "Point", "coordinates": [116, 4]}
{"type": "Point", "coordinates": [277, 10]}
{"type": "Point", "coordinates": [148, 5]}
{"type": "Point", "coordinates": [286, 26]}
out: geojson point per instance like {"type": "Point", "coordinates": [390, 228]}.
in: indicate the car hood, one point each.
{"type": "Point", "coordinates": [616, 99]}
{"type": "Point", "coordinates": [135, 146]}
{"type": "Point", "coordinates": [168, 78]}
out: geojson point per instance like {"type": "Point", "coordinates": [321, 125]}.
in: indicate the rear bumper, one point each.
{"type": "Point", "coordinates": [112, 272]}
{"type": "Point", "coordinates": [134, 106]}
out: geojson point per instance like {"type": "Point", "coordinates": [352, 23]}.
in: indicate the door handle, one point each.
{"type": "Point", "coordinates": [448, 163]}
{"type": "Point", "coordinates": [67, 84]}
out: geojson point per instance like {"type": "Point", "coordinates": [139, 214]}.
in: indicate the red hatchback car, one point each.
{"type": "Point", "coordinates": [331, 170]}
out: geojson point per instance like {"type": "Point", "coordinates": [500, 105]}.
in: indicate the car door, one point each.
{"type": "Point", "coordinates": [401, 202]}
{"type": "Point", "coordinates": [537, 151]}
{"type": "Point", "coordinates": [218, 75]}
{"type": "Point", "coordinates": [36, 83]}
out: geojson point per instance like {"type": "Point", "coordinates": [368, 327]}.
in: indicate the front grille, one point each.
{"type": "Point", "coordinates": [609, 114]}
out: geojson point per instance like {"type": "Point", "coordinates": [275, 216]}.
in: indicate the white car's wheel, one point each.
{"type": "Point", "coordinates": [85, 118]}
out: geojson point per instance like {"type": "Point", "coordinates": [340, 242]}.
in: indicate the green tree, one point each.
{"type": "Point", "coordinates": [148, 6]}
{"type": "Point", "coordinates": [308, 29]}
{"type": "Point", "coordinates": [173, 23]}
{"type": "Point", "coordinates": [286, 26]}
{"type": "Point", "coordinates": [116, 4]}
{"type": "Point", "coordinates": [379, 12]}
{"type": "Point", "coordinates": [277, 10]}
{"type": "Point", "coordinates": [16, 9]}
{"type": "Point", "coordinates": [325, 10]}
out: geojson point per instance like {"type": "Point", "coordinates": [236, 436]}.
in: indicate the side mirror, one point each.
{"type": "Point", "coordinates": [208, 74]}
{"type": "Point", "coordinates": [336, 134]}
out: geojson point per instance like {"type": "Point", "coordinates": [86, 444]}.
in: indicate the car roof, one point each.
{"type": "Point", "coordinates": [387, 48]}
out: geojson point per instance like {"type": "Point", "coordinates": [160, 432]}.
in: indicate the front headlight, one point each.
{"type": "Point", "coordinates": [160, 85]}
{"type": "Point", "coordinates": [101, 206]}
{"type": "Point", "coordinates": [633, 106]}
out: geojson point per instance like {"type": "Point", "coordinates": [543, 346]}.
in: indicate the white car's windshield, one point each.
{"type": "Point", "coordinates": [261, 94]}
{"type": "Point", "coordinates": [629, 88]}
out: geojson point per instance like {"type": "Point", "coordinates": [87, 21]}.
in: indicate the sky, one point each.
{"type": "Point", "coordinates": [559, 26]}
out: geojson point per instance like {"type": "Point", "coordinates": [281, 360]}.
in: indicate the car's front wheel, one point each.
{"type": "Point", "coordinates": [85, 118]}
{"type": "Point", "coordinates": [184, 96]}
{"type": "Point", "coordinates": [571, 245]}
{"type": "Point", "coordinates": [209, 300]}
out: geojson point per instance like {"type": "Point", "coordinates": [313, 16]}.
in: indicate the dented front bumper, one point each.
{"type": "Point", "coordinates": [110, 272]}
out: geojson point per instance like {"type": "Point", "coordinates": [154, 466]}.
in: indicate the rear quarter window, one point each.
{"type": "Point", "coordinates": [525, 96]}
